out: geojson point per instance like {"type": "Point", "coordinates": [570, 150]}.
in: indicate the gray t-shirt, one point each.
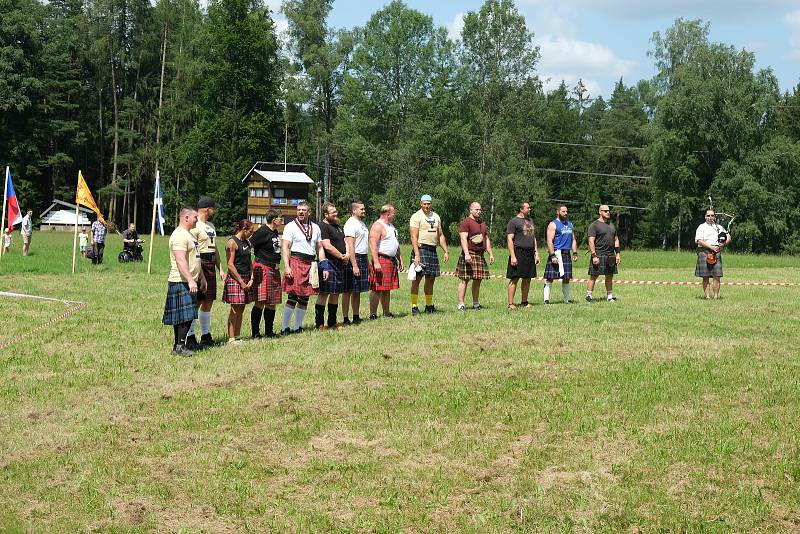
{"type": "Point", "coordinates": [603, 234]}
{"type": "Point", "coordinates": [523, 232]}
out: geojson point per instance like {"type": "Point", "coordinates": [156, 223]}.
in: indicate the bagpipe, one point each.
{"type": "Point", "coordinates": [723, 221]}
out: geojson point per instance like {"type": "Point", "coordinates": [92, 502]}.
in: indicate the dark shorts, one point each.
{"type": "Point", "coordinates": [526, 264]}
{"type": "Point", "coordinates": [475, 270]}
{"type": "Point", "coordinates": [430, 261]}
{"type": "Point", "coordinates": [236, 294]}
{"type": "Point", "coordinates": [704, 270]}
{"type": "Point", "coordinates": [607, 265]}
{"type": "Point", "coordinates": [209, 268]}
{"type": "Point", "coordinates": [551, 269]}
{"type": "Point", "coordinates": [360, 284]}
{"type": "Point", "coordinates": [334, 285]}
{"type": "Point", "coordinates": [266, 284]}
{"type": "Point", "coordinates": [181, 306]}
{"type": "Point", "coordinates": [387, 278]}
{"type": "Point", "coordinates": [299, 283]}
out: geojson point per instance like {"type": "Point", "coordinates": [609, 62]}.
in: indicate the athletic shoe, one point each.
{"type": "Point", "coordinates": [525, 304]}
{"type": "Point", "coordinates": [462, 308]}
{"type": "Point", "coordinates": [414, 311]}
{"type": "Point", "coordinates": [390, 315]}
{"type": "Point", "coordinates": [568, 302]}
{"type": "Point", "coordinates": [589, 299]}
{"type": "Point", "coordinates": [181, 350]}
{"type": "Point", "coordinates": [547, 302]}
{"type": "Point", "coordinates": [297, 330]}
{"type": "Point", "coordinates": [357, 321]}
{"type": "Point", "coordinates": [346, 321]}
{"type": "Point", "coordinates": [477, 306]}
{"type": "Point", "coordinates": [207, 341]}
{"type": "Point", "coordinates": [192, 344]}
{"type": "Point", "coordinates": [430, 309]}
{"type": "Point", "coordinates": [512, 307]}
{"type": "Point", "coordinates": [611, 299]}
{"type": "Point", "coordinates": [373, 317]}
{"type": "Point", "coordinates": [234, 341]}
{"type": "Point", "coordinates": [270, 335]}
{"type": "Point", "coordinates": [286, 332]}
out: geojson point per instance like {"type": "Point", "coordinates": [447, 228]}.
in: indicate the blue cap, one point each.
{"type": "Point", "coordinates": [426, 198]}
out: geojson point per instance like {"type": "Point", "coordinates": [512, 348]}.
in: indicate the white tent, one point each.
{"type": "Point", "coordinates": [64, 218]}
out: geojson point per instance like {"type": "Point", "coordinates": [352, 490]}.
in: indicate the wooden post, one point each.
{"type": "Point", "coordinates": [3, 219]}
{"type": "Point", "coordinates": [75, 238]}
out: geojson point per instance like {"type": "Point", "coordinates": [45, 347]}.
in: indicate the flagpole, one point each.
{"type": "Point", "coordinates": [77, 214]}
{"type": "Point", "coordinates": [153, 223]}
{"type": "Point", "coordinates": [3, 220]}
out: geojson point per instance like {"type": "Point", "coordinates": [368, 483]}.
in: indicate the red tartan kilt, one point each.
{"type": "Point", "coordinates": [298, 283]}
{"type": "Point", "coordinates": [387, 278]}
{"type": "Point", "coordinates": [235, 294]}
{"type": "Point", "coordinates": [266, 284]}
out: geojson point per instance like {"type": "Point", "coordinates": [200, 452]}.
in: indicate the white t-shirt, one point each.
{"type": "Point", "coordinates": [7, 240]}
{"type": "Point", "coordinates": [708, 233]}
{"type": "Point", "coordinates": [293, 234]}
{"type": "Point", "coordinates": [355, 227]}
{"type": "Point", "coordinates": [83, 238]}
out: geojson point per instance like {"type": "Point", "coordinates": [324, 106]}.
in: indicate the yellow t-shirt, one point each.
{"type": "Point", "coordinates": [428, 226]}
{"type": "Point", "coordinates": [180, 242]}
{"type": "Point", "coordinates": [206, 236]}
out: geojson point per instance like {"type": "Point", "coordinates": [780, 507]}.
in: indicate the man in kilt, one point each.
{"type": "Point", "coordinates": [206, 235]}
{"type": "Point", "coordinates": [302, 246]}
{"type": "Point", "coordinates": [238, 290]}
{"type": "Point", "coordinates": [523, 254]}
{"type": "Point", "coordinates": [338, 254]}
{"type": "Point", "coordinates": [471, 263]}
{"type": "Point", "coordinates": [562, 248]}
{"type": "Point", "coordinates": [356, 273]}
{"type": "Point", "coordinates": [426, 234]}
{"type": "Point", "coordinates": [386, 262]}
{"type": "Point", "coordinates": [604, 246]}
{"type": "Point", "coordinates": [711, 238]}
{"type": "Point", "coordinates": [266, 274]}
{"type": "Point", "coordinates": [184, 281]}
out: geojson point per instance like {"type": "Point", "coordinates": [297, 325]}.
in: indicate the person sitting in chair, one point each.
{"type": "Point", "coordinates": [131, 241]}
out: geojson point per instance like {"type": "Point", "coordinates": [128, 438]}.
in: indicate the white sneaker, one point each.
{"type": "Point", "coordinates": [234, 341]}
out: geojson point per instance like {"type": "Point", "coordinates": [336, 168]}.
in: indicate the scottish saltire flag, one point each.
{"type": "Point", "coordinates": [158, 200]}
{"type": "Point", "coordinates": [14, 213]}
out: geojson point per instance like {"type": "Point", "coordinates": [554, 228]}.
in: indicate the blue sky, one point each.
{"type": "Point", "coordinates": [603, 40]}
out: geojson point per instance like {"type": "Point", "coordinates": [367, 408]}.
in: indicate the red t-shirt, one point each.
{"type": "Point", "coordinates": [473, 228]}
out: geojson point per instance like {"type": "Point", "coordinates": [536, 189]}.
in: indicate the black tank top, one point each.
{"type": "Point", "coordinates": [241, 259]}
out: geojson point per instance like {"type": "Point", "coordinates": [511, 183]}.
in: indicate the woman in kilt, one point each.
{"type": "Point", "coordinates": [239, 283]}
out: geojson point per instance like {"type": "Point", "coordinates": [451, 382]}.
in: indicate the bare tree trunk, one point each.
{"type": "Point", "coordinates": [116, 138]}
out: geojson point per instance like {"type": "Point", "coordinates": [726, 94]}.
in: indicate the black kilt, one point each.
{"type": "Point", "coordinates": [181, 306]}
{"type": "Point", "coordinates": [526, 264]}
{"type": "Point", "coordinates": [430, 261]}
{"type": "Point", "coordinates": [360, 284]}
{"type": "Point", "coordinates": [209, 267]}
{"type": "Point", "coordinates": [607, 265]}
{"type": "Point", "coordinates": [704, 270]}
{"type": "Point", "coordinates": [551, 269]}
{"type": "Point", "coordinates": [336, 278]}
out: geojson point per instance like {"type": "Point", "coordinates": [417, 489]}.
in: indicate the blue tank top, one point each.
{"type": "Point", "coordinates": [562, 240]}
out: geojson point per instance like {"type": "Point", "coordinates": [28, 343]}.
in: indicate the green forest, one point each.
{"type": "Point", "coordinates": [387, 111]}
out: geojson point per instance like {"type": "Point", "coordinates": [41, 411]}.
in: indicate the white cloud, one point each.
{"type": "Point", "coordinates": [793, 21]}
{"type": "Point", "coordinates": [455, 26]}
{"type": "Point", "coordinates": [743, 10]}
{"type": "Point", "coordinates": [561, 54]}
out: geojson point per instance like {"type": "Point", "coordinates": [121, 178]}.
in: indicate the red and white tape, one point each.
{"type": "Point", "coordinates": [660, 282]}
{"type": "Point", "coordinates": [73, 305]}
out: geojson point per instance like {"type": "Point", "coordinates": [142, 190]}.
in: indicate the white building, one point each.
{"type": "Point", "coordinates": [63, 219]}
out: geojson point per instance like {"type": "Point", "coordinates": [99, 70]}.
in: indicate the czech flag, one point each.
{"type": "Point", "coordinates": [14, 213]}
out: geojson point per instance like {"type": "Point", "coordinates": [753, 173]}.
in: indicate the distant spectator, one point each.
{"type": "Point", "coordinates": [6, 241]}
{"type": "Point", "coordinates": [27, 232]}
{"type": "Point", "coordinates": [99, 232]}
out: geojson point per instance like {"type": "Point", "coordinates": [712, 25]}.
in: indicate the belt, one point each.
{"type": "Point", "coordinates": [208, 256]}
{"type": "Point", "coordinates": [361, 255]}
{"type": "Point", "coordinates": [425, 245]}
{"type": "Point", "coordinates": [305, 257]}
{"type": "Point", "coordinates": [271, 264]}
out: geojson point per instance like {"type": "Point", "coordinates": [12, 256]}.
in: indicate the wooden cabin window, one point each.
{"type": "Point", "coordinates": [259, 192]}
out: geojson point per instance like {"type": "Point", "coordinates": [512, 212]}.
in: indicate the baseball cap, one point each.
{"type": "Point", "coordinates": [207, 202]}
{"type": "Point", "coordinates": [426, 198]}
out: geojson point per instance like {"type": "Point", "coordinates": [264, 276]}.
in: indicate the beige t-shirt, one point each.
{"type": "Point", "coordinates": [182, 241]}
{"type": "Point", "coordinates": [428, 226]}
{"type": "Point", "coordinates": [206, 236]}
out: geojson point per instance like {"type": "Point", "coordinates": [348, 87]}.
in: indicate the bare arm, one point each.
{"type": "Point", "coordinates": [551, 234]}
{"type": "Point", "coordinates": [443, 244]}
{"type": "Point", "coordinates": [182, 261]}
{"type": "Point", "coordinates": [489, 249]}
{"type": "Point", "coordinates": [285, 253]}
{"type": "Point", "coordinates": [415, 244]}
{"type": "Point", "coordinates": [464, 246]}
{"type": "Point", "coordinates": [230, 254]}
{"type": "Point", "coordinates": [511, 252]}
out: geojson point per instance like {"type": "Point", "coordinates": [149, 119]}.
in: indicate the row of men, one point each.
{"type": "Point", "coordinates": [333, 261]}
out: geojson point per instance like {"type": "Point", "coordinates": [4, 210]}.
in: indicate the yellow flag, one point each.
{"type": "Point", "coordinates": [84, 197]}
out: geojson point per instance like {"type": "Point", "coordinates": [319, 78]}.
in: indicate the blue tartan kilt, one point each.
{"type": "Point", "coordinates": [360, 284]}
{"type": "Point", "coordinates": [551, 269]}
{"type": "Point", "coordinates": [430, 261]}
{"type": "Point", "coordinates": [181, 306]}
{"type": "Point", "coordinates": [336, 278]}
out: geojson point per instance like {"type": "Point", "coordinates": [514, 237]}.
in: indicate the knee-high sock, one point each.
{"type": "Point", "coordinates": [428, 299]}
{"type": "Point", "coordinates": [332, 311]}
{"type": "Point", "coordinates": [565, 290]}
{"type": "Point", "coordinates": [204, 318]}
{"type": "Point", "coordinates": [299, 315]}
{"type": "Point", "coordinates": [183, 332]}
{"type": "Point", "coordinates": [269, 319]}
{"type": "Point", "coordinates": [547, 287]}
{"type": "Point", "coordinates": [191, 327]}
{"type": "Point", "coordinates": [287, 317]}
{"type": "Point", "coordinates": [255, 320]}
{"type": "Point", "coordinates": [319, 315]}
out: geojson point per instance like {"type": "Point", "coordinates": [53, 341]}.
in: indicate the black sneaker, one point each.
{"type": "Point", "coordinates": [192, 344]}
{"type": "Point", "coordinates": [611, 299]}
{"type": "Point", "coordinates": [286, 332]}
{"type": "Point", "coordinates": [568, 302]}
{"type": "Point", "coordinates": [430, 309]}
{"type": "Point", "coordinates": [589, 299]}
{"type": "Point", "coordinates": [477, 306]}
{"type": "Point", "coordinates": [415, 311]}
{"type": "Point", "coordinates": [181, 350]}
{"type": "Point", "coordinates": [270, 334]}
{"type": "Point", "coordinates": [346, 321]}
{"type": "Point", "coordinates": [207, 341]}
{"type": "Point", "coordinates": [356, 321]}
{"type": "Point", "coordinates": [547, 302]}
{"type": "Point", "coordinates": [373, 317]}
{"type": "Point", "coordinates": [390, 315]}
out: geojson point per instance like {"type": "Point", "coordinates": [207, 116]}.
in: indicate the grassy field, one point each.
{"type": "Point", "coordinates": [662, 412]}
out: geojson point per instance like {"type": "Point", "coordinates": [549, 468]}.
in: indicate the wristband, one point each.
{"type": "Point", "coordinates": [325, 265]}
